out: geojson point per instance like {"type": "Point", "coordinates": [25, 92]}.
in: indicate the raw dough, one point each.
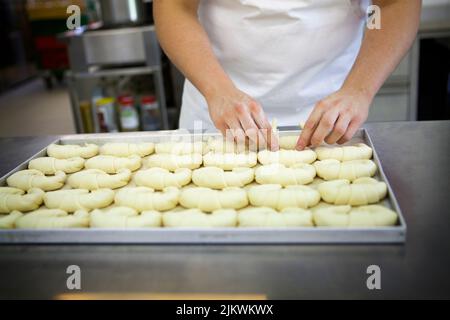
{"type": "Point", "coordinates": [181, 148]}
{"type": "Point", "coordinates": [143, 198]}
{"type": "Point", "coordinates": [221, 145]}
{"type": "Point", "coordinates": [27, 179]}
{"type": "Point", "coordinates": [346, 216]}
{"type": "Point", "coordinates": [332, 169]}
{"type": "Point", "coordinates": [49, 165]}
{"type": "Point", "coordinates": [316, 183]}
{"type": "Point", "coordinates": [53, 219]}
{"type": "Point", "coordinates": [229, 161]}
{"type": "Point", "coordinates": [210, 200]}
{"type": "Point", "coordinates": [111, 164]}
{"type": "Point", "coordinates": [94, 179]}
{"type": "Point", "coordinates": [288, 142]}
{"type": "Point", "coordinates": [286, 157]}
{"type": "Point", "coordinates": [297, 174]}
{"type": "Point", "coordinates": [78, 199]}
{"type": "Point", "coordinates": [118, 149]}
{"type": "Point", "coordinates": [124, 217]}
{"type": "Point", "coordinates": [268, 217]}
{"type": "Point", "coordinates": [9, 221]}
{"type": "Point", "coordinates": [173, 162]}
{"type": "Point", "coordinates": [362, 191]}
{"type": "Point", "coordinates": [15, 199]}
{"type": "Point", "coordinates": [72, 151]}
{"type": "Point", "coordinates": [195, 218]}
{"type": "Point", "coordinates": [217, 178]}
{"type": "Point", "coordinates": [279, 198]}
{"type": "Point", "coordinates": [159, 178]}
{"type": "Point", "coordinates": [359, 151]}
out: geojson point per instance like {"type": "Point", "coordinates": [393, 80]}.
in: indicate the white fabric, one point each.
{"type": "Point", "coordinates": [287, 54]}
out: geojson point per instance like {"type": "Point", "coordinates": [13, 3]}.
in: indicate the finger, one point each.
{"type": "Point", "coordinates": [340, 128]}
{"type": "Point", "coordinates": [310, 126]}
{"type": "Point", "coordinates": [351, 130]}
{"type": "Point", "coordinates": [270, 138]}
{"type": "Point", "coordinates": [251, 129]}
{"type": "Point", "coordinates": [236, 131]}
{"type": "Point", "coordinates": [324, 128]}
{"type": "Point", "coordinates": [222, 127]}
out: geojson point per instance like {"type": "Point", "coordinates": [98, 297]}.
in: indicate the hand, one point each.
{"type": "Point", "coordinates": [335, 119]}
{"type": "Point", "coordinates": [235, 110]}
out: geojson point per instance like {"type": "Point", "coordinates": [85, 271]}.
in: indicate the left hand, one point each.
{"type": "Point", "coordinates": [335, 119]}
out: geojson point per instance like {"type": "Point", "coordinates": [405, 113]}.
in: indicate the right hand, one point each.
{"type": "Point", "coordinates": [235, 110]}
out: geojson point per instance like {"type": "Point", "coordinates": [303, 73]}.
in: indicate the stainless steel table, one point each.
{"type": "Point", "coordinates": [416, 158]}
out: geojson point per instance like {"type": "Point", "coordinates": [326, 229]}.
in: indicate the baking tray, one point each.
{"type": "Point", "coordinates": [394, 234]}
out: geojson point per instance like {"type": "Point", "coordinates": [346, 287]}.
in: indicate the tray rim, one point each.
{"type": "Point", "coordinates": [296, 235]}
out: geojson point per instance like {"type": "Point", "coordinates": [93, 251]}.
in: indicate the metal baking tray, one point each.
{"type": "Point", "coordinates": [316, 235]}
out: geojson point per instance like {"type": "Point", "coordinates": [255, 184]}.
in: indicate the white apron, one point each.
{"type": "Point", "coordinates": [286, 54]}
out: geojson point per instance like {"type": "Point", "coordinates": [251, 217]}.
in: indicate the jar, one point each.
{"type": "Point", "coordinates": [129, 118]}
{"type": "Point", "coordinates": [150, 113]}
{"type": "Point", "coordinates": [106, 115]}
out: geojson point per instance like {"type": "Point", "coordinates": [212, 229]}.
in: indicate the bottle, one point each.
{"type": "Point", "coordinates": [129, 118]}
{"type": "Point", "coordinates": [150, 113]}
{"type": "Point", "coordinates": [106, 115]}
{"type": "Point", "coordinates": [86, 116]}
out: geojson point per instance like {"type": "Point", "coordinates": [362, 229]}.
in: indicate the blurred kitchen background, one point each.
{"type": "Point", "coordinates": [110, 75]}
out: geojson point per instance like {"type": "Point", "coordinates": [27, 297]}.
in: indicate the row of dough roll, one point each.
{"type": "Point", "coordinates": [113, 176]}
{"type": "Point", "coordinates": [125, 217]}
{"type": "Point", "coordinates": [173, 155]}
{"type": "Point", "coordinates": [362, 191]}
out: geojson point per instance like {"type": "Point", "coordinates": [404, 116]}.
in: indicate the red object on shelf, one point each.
{"type": "Point", "coordinates": [52, 53]}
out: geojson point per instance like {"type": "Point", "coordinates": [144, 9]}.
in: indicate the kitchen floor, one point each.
{"type": "Point", "coordinates": [31, 109]}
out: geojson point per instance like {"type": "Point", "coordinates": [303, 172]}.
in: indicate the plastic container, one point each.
{"type": "Point", "coordinates": [150, 113]}
{"type": "Point", "coordinates": [106, 115]}
{"type": "Point", "coordinates": [129, 117]}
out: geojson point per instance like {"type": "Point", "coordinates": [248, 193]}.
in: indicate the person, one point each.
{"type": "Point", "coordinates": [247, 62]}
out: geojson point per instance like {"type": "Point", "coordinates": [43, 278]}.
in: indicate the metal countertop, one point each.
{"type": "Point", "coordinates": [415, 157]}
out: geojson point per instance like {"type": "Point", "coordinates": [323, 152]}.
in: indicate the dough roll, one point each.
{"type": "Point", "coordinates": [298, 174]}
{"type": "Point", "coordinates": [195, 218]}
{"type": "Point", "coordinates": [173, 162]}
{"type": "Point", "coordinates": [8, 221]}
{"type": "Point", "coordinates": [111, 164]}
{"type": "Point", "coordinates": [28, 179]}
{"type": "Point", "coordinates": [331, 169]}
{"type": "Point", "coordinates": [362, 191]}
{"type": "Point", "coordinates": [94, 179]}
{"type": "Point", "coordinates": [125, 218]}
{"type": "Point", "coordinates": [217, 178]}
{"type": "Point", "coordinates": [68, 151]}
{"type": "Point", "coordinates": [359, 151]}
{"type": "Point", "coordinates": [229, 161]}
{"type": "Point", "coordinates": [15, 199]}
{"type": "Point", "coordinates": [268, 217]}
{"type": "Point", "coordinates": [279, 198]}
{"type": "Point", "coordinates": [158, 178]}
{"type": "Point", "coordinates": [78, 199]}
{"type": "Point", "coordinates": [363, 217]}
{"type": "Point", "coordinates": [53, 219]}
{"type": "Point", "coordinates": [181, 148]}
{"type": "Point", "coordinates": [210, 200]}
{"type": "Point", "coordinates": [143, 198]}
{"type": "Point", "coordinates": [286, 157]}
{"type": "Point", "coordinates": [288, 142]}
{"type": "Point", "coordinates": [119, 149]}
{"type": "Point", "coordinates": [49, 165]}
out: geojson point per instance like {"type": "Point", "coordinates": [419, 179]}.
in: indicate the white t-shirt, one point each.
{"type": "Point", "coordinates": [286, 54]}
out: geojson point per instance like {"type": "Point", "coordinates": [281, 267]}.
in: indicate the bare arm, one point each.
{"type": "Point", "coordinates": [186, 43]}
{"type": "Point", "coordinates": [337, 117]}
